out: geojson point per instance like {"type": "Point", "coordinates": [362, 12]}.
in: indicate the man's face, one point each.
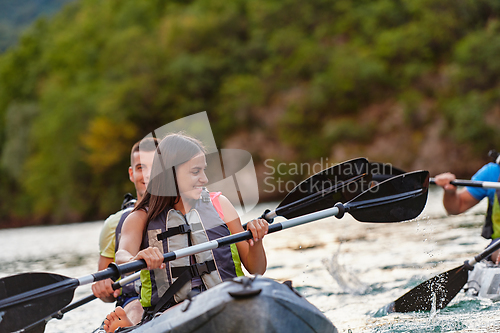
{"type": "Point", "coordinates": [140, 170]}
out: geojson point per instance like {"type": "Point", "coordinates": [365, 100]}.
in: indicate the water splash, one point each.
{"type": "Point", "coordinates": [383, 311]}
{"type": "Point", "coordinates": [433, 312]}
{"type": "Point", "coordinates": [347, 281]}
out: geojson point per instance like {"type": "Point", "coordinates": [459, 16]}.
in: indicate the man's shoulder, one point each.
{"type": "Point", "coordinates": [113, 219]}
{"type": "Point", "coordinates": [489, 172]}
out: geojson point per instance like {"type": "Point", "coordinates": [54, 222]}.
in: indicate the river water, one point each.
{"type": "Point", "coordinates": [347, 269]}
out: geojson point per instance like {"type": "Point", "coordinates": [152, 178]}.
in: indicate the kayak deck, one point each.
{"type": "Point", "coordinates": [243, 305]}
{"type": "Point", "coordinates": [484, 281]}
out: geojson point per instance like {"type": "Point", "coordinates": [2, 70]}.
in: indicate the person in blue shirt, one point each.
{"type": "Point", "coordinates": [458, 201]}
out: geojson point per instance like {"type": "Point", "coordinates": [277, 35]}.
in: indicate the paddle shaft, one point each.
{"type": "Point", "coordinates": [39, 326]}
{"type": "Point", "coordinates": [117, 285]}
{"type": "Point", "coordinates": [69, 284]}
{"type": "Point", "coordinates": [472, 183]}
{"type": "Point", "coordinates": [216, 243]}
{"type": "Point", "coordinates": [457, 182]}
{"type": "Point", "coordinates": [74, 305]}
{"type": "Point", "coordinates": [488, 251]}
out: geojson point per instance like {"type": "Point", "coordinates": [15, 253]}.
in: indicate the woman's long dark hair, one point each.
{"type": "Point", "coordinates": [162, 191]}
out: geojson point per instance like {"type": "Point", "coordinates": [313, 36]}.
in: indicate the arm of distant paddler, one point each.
{"type": "Point", "coordinates": [454, 201]}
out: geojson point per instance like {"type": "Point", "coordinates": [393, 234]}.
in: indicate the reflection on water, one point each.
{"type": "Point", "coordinates": [349, 270]}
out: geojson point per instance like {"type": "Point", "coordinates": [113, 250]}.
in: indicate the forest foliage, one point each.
{"type": "Point", "coordinates": [17, 15]}
{"type": "Point", "coordinates": [79, 89]}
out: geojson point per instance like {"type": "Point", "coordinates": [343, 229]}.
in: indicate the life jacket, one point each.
{"type": "Point", "coordinates": [171, 231]}
{"type": "Point", "coordinates": [130, 289]}
{"type": "Point", "coordinates": [128, 201]}
{"type": "Point", "coordinates": [119, 226]}
{"type": "Point", "coordinates": [491, 227]}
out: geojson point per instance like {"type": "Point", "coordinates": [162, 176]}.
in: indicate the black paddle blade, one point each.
{"type": "Point", "coordinates": [397, 199]}
{"type": "Point", "coordinates": [377, 168]}
{"type": "Point", "coordinates": [339, 183]}
{"type": "Point", "coordinates": [436, 292]}
{"type": "Point", "coordinates": [383, 171]}
{"type": "Point", "coordinates": [30, 297]}
{"type": "Point", "coordinates": [36, 328]}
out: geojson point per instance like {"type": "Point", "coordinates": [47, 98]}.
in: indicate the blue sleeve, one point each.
{"type": "Point", "coordinates": [490, 173]}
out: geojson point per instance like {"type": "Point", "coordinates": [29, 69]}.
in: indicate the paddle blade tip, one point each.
{"type": "Point", "coordinates": [385, 310]}
{"type": "Point", "coordinates": [398, 199]}
{"type": "Point", "coordinates": [433, 294]}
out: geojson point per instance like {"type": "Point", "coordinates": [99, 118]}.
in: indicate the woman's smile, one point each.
{"type": "Point", "coordinates": [191, 177]}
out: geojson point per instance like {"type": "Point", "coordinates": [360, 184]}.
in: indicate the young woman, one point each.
{"type": "Point", "coordinates": [177, 212]}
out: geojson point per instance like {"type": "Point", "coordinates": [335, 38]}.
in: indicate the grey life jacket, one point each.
{"type": "Point", "coordinates": [171, 231]}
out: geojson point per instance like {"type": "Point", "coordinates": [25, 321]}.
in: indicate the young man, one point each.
{"type": "Point", "coordinates": [141, 159]}
{"type": "Point", "coordinates": [458, 201]}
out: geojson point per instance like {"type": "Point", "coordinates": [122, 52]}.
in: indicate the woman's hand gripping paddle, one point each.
{"type": "Point", "coordinates": [397, 199]}
{"type": "Point", "coordinates": [440, 289]}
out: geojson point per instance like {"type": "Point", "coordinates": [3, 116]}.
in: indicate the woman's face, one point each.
{"type": "Point", "coordinates": [191, 177]}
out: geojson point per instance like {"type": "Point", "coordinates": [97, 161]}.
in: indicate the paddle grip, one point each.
{"type": "Point", "coordinates": [268, 219]}
{"type": "Point", "coordinates": [341, 209]}
{"type": "Point", "coordinates": [468, 266]}
{"type": "Point", "coordinates": [234, 238]}
{"type": "Point", "coordinates": [116, 285]}
{"type": "Point", "coordinates": [470, 183]}
{"type": "Point", "coordinates": [141, 264]}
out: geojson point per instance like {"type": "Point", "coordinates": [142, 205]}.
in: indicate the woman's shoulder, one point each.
{"type": "Point", "coordinates": [137, 216]}
{"type": "Point", "coordinates": [225, 202]}
{"type": "Point", "coordinates": [227, 208]}
{"type": "Point", "coordinates": [138, 213]}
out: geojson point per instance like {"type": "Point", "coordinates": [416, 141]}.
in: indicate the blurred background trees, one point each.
{"type": "Point", "coordinates": [410, 82]}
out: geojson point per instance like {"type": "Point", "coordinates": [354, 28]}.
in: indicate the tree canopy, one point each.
{"type": "Point", "coordinates": [313, 78]}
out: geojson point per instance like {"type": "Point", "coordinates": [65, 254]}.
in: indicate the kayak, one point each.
{"type": "Point", "coordinates": [484, 281]}
{"type": "Point", "coordinates": [242, 305]}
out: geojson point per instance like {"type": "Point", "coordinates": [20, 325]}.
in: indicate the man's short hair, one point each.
{"type": "Point", "coordinates": [146, 144]}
